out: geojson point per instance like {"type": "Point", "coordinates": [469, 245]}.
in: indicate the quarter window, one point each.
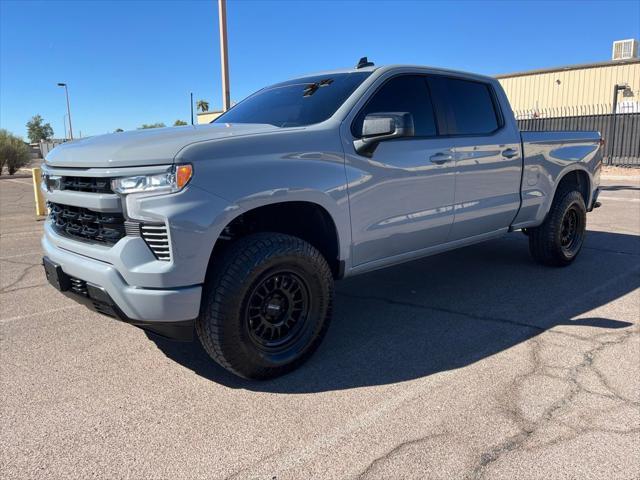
{"type": "Point", "coordinates": [406, 93]}
{"type": "Point", "coordinates": [469, 105]}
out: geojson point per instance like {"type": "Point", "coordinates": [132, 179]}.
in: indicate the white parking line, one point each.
{"type": "Point", "coordinates": [21, 255]}
{"type": "Point", "coordinates": [21, 234]}
{"type": "Point", "coordinates": [28, 183]}
{"type": "Point", "coordinates": [52, 310]}
{"type": "Point", "coordinates": [619, 199]}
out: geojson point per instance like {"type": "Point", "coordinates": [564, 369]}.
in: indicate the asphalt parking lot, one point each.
{"type": "Point", "coordinates": [473, 364]}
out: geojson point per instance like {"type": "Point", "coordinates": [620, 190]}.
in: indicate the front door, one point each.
{"type": "Point", "coordinates": [401, 198]}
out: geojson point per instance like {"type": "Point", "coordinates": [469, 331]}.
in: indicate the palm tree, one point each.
{"type": "Point", "coordinates": [202, 105]}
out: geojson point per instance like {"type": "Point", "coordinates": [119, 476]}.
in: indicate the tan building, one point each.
{"type": "Point", "coordinates": [574, 88]}
{"type": "Point", "coordinates": [207, 117]}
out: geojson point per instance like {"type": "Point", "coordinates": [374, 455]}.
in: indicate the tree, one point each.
{"type": "Point", "coordinates": [152, 125]}
{"type": "Point", "coordinates": [14, 153]}
{"type": "Point", "coordinates": [118, 130]}
{"type": "Point", "coordinates": [179, 123]}
{"type": "Point", "coordinates": [37, 131]}
{"type": "Point", "coordinates": [202, 105]}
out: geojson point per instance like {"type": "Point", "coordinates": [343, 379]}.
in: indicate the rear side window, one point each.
{"type": "Point", "coordinates": [406, 93]}
{"type": "Point", "coordinates": [468, 106]}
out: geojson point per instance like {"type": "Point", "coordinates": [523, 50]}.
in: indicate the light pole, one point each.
{"type": "Point", "coordinates": [224, 60]}
{"type": "Point", "coordinates": [66, 91]}
{"type": "Point", "coordinates": [64, 120]}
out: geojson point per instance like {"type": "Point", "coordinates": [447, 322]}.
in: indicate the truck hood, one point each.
{"type": "Point", "coordinates": [156, 146]}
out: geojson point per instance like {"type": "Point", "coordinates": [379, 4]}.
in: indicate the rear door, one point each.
{"type": "Point", "coordinates": [488, 159]}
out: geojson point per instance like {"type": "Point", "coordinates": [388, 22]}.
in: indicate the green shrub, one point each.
{"type": "Point", "coordinates": [14, 153]}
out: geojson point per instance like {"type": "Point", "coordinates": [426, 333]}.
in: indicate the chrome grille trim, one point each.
{"type": "Point", "coordinates": [132, 229]}
{"type": "Point", "coordinates": [157, 238]}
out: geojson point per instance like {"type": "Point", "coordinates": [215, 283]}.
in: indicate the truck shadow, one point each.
{"type": "Point", "coordinates": [446, 312]}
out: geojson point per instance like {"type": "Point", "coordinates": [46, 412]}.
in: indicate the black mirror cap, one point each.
{"type": "Point", "coordinates": [399, 124]}
{"type": "Point", "coordinates": [377, 127]}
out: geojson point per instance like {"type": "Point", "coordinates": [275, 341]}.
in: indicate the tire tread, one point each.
{"type": "Point", "coordinates": [542, 239]}
{"type": "Point", "coordinates": [227, 281]}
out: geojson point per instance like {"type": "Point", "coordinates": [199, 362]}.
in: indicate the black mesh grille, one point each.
{"type": "Point", "coordinates": [86, 184]}
{"type": "Point", "coordinates": [78, 286]}
{"type": "Point", "coordinates": [84, 224]}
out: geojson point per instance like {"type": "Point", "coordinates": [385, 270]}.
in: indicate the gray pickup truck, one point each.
{"type": "Point", "coordinates": [237, 230]}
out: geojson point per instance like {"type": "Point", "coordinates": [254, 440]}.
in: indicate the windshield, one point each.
{"type": "Point", "coordinates": [299, 102]}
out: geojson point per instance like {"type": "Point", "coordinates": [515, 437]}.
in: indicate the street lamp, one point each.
{"type": "Point", "coordinates": [64, 120]}
{"type": "Point", "coordinates": [66, 90]}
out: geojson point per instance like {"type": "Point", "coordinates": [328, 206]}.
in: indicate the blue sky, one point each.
{"type": "Point", "coordinates": [129, 63]}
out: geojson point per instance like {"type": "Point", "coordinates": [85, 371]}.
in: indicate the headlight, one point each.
{"type": "Point", "coordinates": [168, 182]}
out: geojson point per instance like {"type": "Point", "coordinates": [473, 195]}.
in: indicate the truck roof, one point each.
{"type": "Point", "coordinates": [385, 68]}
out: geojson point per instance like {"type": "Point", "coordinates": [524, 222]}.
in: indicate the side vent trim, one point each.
{"type": "Point", "coordinates": [157, 238]}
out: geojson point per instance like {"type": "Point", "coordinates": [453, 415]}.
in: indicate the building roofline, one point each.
{"type": "Point", "coordinates": [579, 66]}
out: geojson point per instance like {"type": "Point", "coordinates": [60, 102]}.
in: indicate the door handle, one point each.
{"type": "Point", "coordinates": [509, 153]}
{"type": "Point", "coordinates": [440, 158]}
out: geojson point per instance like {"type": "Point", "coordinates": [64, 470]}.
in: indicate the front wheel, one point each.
{"type": "Point", "coordinates": [266, 306]}
{"type": "Point", "coordinates": [559, 239]}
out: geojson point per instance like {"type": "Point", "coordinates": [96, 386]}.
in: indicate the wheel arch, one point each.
{"type": "Point", "coordinates": [306, 219]}
{"type": "Point", "coordinates": [576, 178]}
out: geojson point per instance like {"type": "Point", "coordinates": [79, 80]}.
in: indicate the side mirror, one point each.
{"type": "Point", "coordinates": [378, 127]}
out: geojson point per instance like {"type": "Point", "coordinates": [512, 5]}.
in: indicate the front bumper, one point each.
{"type": "Point", "coordinates": [98, 300]}
{"type": "Point", "coordinates": [140, 306]}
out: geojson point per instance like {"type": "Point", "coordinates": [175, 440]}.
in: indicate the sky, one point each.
{"type": "Point", "coordinates": [134, 62]}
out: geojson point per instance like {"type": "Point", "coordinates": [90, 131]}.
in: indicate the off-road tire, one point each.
{"type": "Point", "coordinates": [546, 241]}
{"type": "Point", "coordinates": [225, 326]}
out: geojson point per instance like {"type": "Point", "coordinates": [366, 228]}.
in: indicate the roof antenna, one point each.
{"type": "Point", "coordinates": [364, 62]}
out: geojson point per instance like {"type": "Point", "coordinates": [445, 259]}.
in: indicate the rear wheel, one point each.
{"type": "Point", "coordinates": [266, 306]}
{"type": "Point", "coordinates": [559, 239]}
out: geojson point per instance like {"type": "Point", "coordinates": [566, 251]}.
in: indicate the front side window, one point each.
{"type": "Point", "coordinates": [470, 106]}
{"type": "Point", "coordinates": [405, 93]}
{"type": "Point", "coordinates": [299, 102]}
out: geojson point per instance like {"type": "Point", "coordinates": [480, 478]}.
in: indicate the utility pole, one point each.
{"type": "Point", "coordinates": [66, 90]}
{"type": "Point", "coordinates": [224, 60]}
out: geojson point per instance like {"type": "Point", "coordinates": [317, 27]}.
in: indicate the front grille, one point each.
{"type": "Point", "coordinates": [157, 239]}
{"type": "Point", "coordinates": [86, 184]}
{"type": "Point", "coordinates": [78, 286]}
{"type": "Point", "coordinates": [84, 224]}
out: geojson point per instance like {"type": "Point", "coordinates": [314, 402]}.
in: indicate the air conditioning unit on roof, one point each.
{"type": "Point", "coordinates": [625, 49]}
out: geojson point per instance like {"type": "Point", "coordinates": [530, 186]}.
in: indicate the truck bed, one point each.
{"type": "Point", "coordinates": [547, 157]}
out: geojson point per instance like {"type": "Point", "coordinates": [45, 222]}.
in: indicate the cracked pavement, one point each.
{"type": "Point", "coordinates": [473, 364]}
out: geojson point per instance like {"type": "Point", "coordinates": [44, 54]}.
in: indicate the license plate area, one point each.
{"type": "Point", "coordinates": [56, 277]}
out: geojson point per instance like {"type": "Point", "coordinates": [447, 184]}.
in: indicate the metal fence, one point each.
{"type": "Point", "coordinates": [621, 131]}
